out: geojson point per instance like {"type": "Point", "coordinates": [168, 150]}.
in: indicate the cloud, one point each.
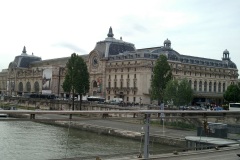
{"type": "Point", "coordinates": [70, 46]}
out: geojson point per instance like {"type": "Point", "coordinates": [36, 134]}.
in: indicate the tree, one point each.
{"type": "Point", "coordinates": [184, 93]}
{"type": "Point", "coordinates": [179, 93]}
{"type": "Point", "coordinates": [77, 77]}
{"type": "Point", "coordinates": [232, 94]}
{"type": "Point", "coordinates": [162, 73]}
{"type": "Point", "coordinates": [170, 92]}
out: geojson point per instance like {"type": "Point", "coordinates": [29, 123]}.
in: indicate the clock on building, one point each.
{"type": "Point", "coordinates": [95, 61]}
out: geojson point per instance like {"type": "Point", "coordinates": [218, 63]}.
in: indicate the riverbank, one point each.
{"type": "Point", "coordinates": [161, 139]}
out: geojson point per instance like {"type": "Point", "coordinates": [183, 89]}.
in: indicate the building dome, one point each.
{"type": "Point", "coordinates": [167, 43]}
{"type": "Point", "coordinates": [225, 51]}
{"type": "Point", "coordinates": [111, 46]}
{"type": "Point", "coordinates": [24, 60]}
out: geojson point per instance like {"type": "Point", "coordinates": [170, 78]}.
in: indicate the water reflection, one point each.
{"type": "Point", "coordinates": [30, 140]}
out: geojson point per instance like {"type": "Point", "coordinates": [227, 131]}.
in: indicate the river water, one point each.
{"type": "Point", "coordinates": [26, 140]}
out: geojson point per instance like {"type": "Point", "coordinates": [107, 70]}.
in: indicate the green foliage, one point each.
{"type": "Point", "coordinates": [181, 125]}
{"type": "Point", "coordinates": [232, 94]}
{"type": "Point", "coordinates": [170, 92]}
{"type": "Point", "coordinates": [178, 93]}
{"type": "Point", "coordinates": [225, 106]}
{"type": "Point", "coordinates": [175, 124]}
{"type": "Point", "coordinates": [162, 73]}
{"type": "Point", "coordinates": [77, 77]}
{"type": "Point", "coordinates": [67, 87]}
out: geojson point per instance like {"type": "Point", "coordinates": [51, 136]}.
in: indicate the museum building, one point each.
{"type": "Point", "coordinates": [118, 69]}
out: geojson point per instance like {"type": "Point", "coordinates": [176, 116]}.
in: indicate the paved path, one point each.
{"type": "Point", "coordinates": [128, 124]}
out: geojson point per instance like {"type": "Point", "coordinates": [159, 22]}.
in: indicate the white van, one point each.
{"type": "Point", "coordinates": [116, 101]}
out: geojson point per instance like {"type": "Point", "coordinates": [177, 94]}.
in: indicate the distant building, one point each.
{"type": "Point", "coordinates": [118, 69]}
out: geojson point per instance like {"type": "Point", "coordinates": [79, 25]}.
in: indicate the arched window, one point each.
{"type": "Point", "coordinates": [195, 85]}
{"type": "Point", "coordinates": [200, 86]}
{"type": "Point", "coordinates": [215, 87]}
{"type": "Point", "coordinates": [219, 87]}
{"type": "Point", "coordinates": [28, 87]}
{"type": "Point", "coordinates": [36, 87]}
{"type": "Point", "coordinates": [190, 83]}
{"type": "Point", "coordinates": [20, 87]}
{"type": "Point", "coordinates": [205, 86]}
{"type": "Point", "coordinates": [94, 84]}
{"type": "Point", "coordinates": [210, 86]}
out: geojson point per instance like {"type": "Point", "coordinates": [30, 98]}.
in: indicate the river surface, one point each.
{"type": "Point", "coordinates": [26, 140]}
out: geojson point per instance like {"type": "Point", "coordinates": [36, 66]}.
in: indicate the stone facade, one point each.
{"type": "Point", "coordinates": [117, 69]}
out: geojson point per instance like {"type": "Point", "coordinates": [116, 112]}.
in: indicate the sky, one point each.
{"type": "Point", "coordinates": [57, 28]}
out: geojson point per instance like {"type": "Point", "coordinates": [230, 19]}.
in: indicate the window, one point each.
{"type": "Point", "coordinates": [224, 87]}
{"type": "Point", "coordinates": [94, 84]}
{"type": "Point", "coordinates": [115, 84]}
{"type": "Point", "coordinates": [134, 84]}
{"type": "Point", "coordinates": [195, 85]}
{"type": "Point", "coordinates": [109, 76]}
{"type": "Point", "coordinates": [200, 86]}
{"type": "Point", "coordinates": [215, 87]}
{"type": "Point", "coordinates": [190, 83]}
{"type": "Point", "coordinates": [135, 76]}
{"type": "Point", "coordinates": [210, 86]}
{"type": "Point", "coordinates": [109, 84]}
{"type": "Point", "coordinates": [127, 84]}
{"type": "Point", "coordinates": [205, 86]}
{"type": "Point", "coordinates": [219, 87]}
{"type": "Point", "coordinates": [20, 87]}
{"type": "Point", "coordinates": [134, 99]}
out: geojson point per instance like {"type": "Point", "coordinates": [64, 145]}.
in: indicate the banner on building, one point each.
{"type": "Point", "coordinates": [47, 81]}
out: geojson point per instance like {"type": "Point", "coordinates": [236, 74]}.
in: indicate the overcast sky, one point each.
{"type": "Point", "coordinates": [57, 28]}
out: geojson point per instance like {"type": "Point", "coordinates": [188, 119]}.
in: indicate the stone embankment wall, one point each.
{"type": "Point", "coordinates": [121, 133]}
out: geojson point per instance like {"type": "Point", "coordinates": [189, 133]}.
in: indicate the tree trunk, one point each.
{"type": "Point", "coordinates": [73, 100]}
{"type": "Point", "coordinates": [80, 102]}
